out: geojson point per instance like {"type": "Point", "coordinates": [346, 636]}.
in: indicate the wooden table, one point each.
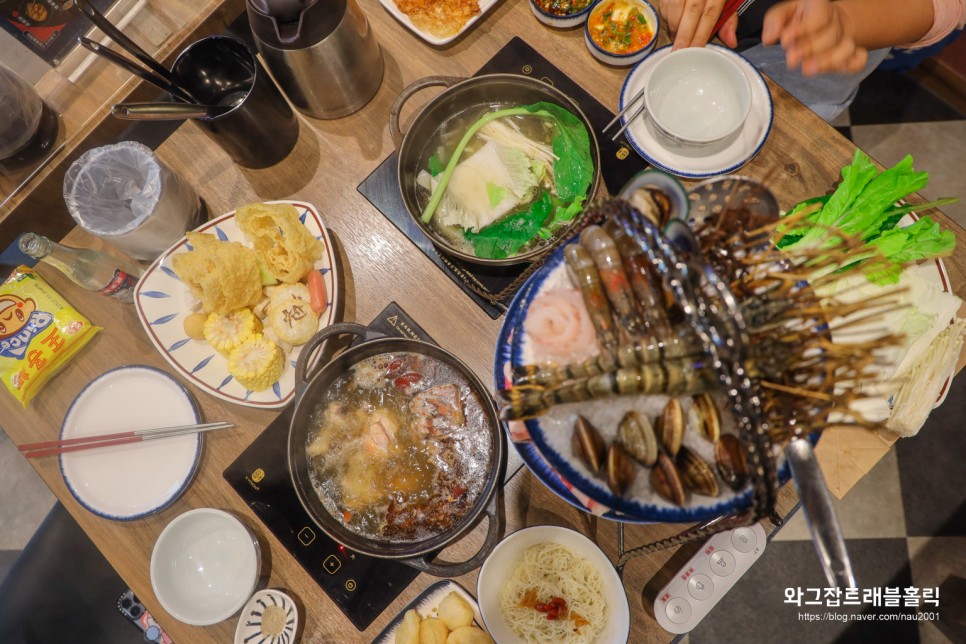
{"type": "Point", "coordinates": [802, 157]}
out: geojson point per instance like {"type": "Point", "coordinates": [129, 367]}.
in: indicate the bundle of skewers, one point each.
{"type": "Point", "coordinates": [717, 310]}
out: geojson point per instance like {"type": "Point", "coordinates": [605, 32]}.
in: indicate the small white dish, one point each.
{"type": "Point", "coordinates": [204, 566]}
{"type": "Point", "coordinates": [162, 302]}
{"type": "Point", "coordinates": [713, 159]}
{"type": "Point", "coordinates": [631, 58]}
{"type": "Point", "coordinates": [254, 628]}
{"type": "Point", "coordinates": [557, 21]}
{"type": "Point", "coordinates": [126, 482]}
{"type": "Point", "coordinates": [427, 605]}
{"type": "Point", "coordinates": [499, 567]}
{"type": "Point", "coordinates": [392, 8]}
{"type": "Point", "coordinates": [697, 95]}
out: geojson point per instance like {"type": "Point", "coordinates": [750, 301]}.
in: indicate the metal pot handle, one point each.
{"type": "Point", "coordinates": [395, 132]}
{"type": "Point", "coordinates": [305, 370]}
{"type": "Point", "coordinates": [494, 532]}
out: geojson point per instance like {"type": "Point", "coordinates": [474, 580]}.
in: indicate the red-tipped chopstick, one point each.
{"type": "Point", "coordinates": [731, 7]}
{"type": "Point", "coordinates": [49, 448]}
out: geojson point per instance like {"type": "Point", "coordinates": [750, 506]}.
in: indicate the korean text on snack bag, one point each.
{"type": "Point", "coordinates": [39, 333]}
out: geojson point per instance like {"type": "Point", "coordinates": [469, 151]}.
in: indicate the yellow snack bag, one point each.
{"type": "Point", "coordinates": [39, 333]}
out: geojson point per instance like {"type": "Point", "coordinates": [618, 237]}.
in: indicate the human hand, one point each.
{"type": "Point", "coordinates": [690, 22]}
{"type": "Point", "coordinates": [816, 34]}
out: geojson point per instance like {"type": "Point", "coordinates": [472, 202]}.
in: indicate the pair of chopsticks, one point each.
{"type": "Point", "coordinates": [50, 448]}
{"type": "Point", "coordinates": [731, 7]}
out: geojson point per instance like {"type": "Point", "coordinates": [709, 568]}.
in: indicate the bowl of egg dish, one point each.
{"type": "Point", "coordinates": [621, 32]}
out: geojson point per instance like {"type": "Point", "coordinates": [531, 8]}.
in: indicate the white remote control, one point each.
{"type": "Point", "coordinates": [707, 577]}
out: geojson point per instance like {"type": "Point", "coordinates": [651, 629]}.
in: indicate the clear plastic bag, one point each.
{"type": "Point", "coordinates": [21, 108]}
{"type": "Point", "coordinates": [124, 194]}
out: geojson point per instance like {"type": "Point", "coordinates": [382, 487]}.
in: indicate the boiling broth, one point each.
{"type": "Point", "coordinates": [401, 447]}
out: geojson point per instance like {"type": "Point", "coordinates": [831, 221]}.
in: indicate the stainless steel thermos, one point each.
{"type": "Point", "coordinates": [322, 53]}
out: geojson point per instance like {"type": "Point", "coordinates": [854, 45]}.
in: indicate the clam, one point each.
{"type": "Point", "coordinates": [588, 445]}
{"type": "Point", "coordinates": [637, 436]}
{"type": "Point", "coordinates": [670, 427]}
{"type": "Point", "coordinates": [620, 469]}
{"type": "Point", "coordinates": [666, 481]}
{"type": "Point", "coordinates": [731, 462]}
{"type": "Point", "coordinates": [708, 416]}
{"type": "Point", "coordinates": [653, 203]}
{"type": "Point", "coordinates": [696, 473]}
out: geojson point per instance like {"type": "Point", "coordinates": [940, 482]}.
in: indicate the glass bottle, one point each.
{"type": "Point", "coordinates": [86, 267]}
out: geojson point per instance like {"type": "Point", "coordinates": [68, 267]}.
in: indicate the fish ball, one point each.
{"type": "Point", "coordinates": [408, 631]}
{"type": "Point", "coordinates": [469, 635]}
{"type": "Point", "coordinates": [455, 611]}
{"type": "Point", "coordinates": [432, 631]}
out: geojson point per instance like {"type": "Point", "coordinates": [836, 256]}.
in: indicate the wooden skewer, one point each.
{"type": "Point", "coordinates": [49, 448]}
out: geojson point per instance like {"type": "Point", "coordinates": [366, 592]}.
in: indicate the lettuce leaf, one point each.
{"type": "Point", "coordinates": [864, 205]}
{"type": "Point", "coordinates": [508, 235]}
{"type": "Point", "coordinates": [574, 168]}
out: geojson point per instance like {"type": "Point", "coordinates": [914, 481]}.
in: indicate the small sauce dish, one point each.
{"type": "Point", "coordinates": [561, 14]}
{"type": "Point", "coordinates": [697, 96]}
{"type": "Point", "coordinates": [621, 32]}
{"type": "Point", "coordinates": [204, 566]}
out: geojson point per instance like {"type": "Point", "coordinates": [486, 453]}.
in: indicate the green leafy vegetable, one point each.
{"type": "Point", "coordinates": [435, 165]}
{"type": "Point", "coordinates": [573, 169]}
{"type": "Point", "coordinates": [510, 234]}
{"type": "Point", "coordinates": [495, 194]}
{"type": "Point", "coordinates": [864, 206]}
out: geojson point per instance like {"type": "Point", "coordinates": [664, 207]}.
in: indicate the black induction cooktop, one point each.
{"type": "Point", "coordinates": [361, 586]}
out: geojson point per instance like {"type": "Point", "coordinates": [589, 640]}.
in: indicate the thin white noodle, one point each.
{"type": "Point", "coordinates": [552, 570]}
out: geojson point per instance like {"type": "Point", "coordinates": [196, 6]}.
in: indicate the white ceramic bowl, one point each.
{"type": "Point", "coordinates": [561, 22]}
{"type": "Point", "coordinates": [204, 566]}
{"type": "Point", "coordinates": [499, 567]}
{"type": "Point", "coordinates": [697, 95]}
{"type": "Point", "coordinates": [632, 58]}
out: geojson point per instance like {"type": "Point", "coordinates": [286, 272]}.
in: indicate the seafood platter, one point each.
{"type": "Point", "coordinates": [656, 367]}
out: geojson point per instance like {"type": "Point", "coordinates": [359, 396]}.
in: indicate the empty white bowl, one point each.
{"type": "Point", "coordinates": [204, 566]}
{"type": "Point", "coordinates": [697, 95]}
{"type": "Point", "coordinates": [594, 35]}
{"type": "Point", "coordinates": [561, 21]}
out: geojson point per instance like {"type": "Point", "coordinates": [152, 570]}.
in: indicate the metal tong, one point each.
{"type": "Point", "coordinates": [716, 318]}
{"type": "Point", "coordinates": [156, 73]}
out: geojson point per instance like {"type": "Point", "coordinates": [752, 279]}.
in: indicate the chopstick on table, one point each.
{"type": "Point", "coordinates": [50, 448]}
{"type": "Point", "coordinates": [731, 7]}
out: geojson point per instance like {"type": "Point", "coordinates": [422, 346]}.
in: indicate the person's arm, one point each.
{"type": "Point", "coordinates": [824, 36]}
{"type": "Point", "coordinates": [690, 22]}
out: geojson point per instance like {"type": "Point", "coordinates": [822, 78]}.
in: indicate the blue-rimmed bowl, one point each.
{"type": "Point", "coordinates": [134, 480]}
{"type": "Point", "coordinates": [561, 21]}
{"type": "Point", "coordinates": [630, 58]}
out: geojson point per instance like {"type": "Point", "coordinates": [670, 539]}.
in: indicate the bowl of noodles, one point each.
{"type": "Point", "coordinates": [496, 169]}
{"type": "Point", "coordinates": [552, 584]}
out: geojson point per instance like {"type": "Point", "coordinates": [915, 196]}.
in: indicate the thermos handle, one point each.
{"type": "Point", "coordinates": [430, 81]}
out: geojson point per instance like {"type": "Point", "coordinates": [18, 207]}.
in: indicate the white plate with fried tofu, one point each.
{"type": "Point", "coordinates": [163, 303]}
{"type": "Point", "coordinates": [438, 22]}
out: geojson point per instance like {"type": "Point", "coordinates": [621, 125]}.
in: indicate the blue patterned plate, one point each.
{"type": "Point", "coordinates": [550, 454]}
{"type": "Point", "coordinates": [527, 449]}
{"type": "Point", "coordinates": [163, 302]}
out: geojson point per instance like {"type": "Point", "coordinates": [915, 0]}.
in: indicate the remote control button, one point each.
{"type": "Point", "coordinates": [744, 539]}
{"type": "Point", "coordinates": [700, 586]}
{"type": "Point", "coordinates": [678, 610]}
{"type": "Point", "coordinates": [722, 563]}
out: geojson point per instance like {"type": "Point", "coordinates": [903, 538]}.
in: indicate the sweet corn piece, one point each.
{"type": "Point", "coordinates": [257, 363]}
{"type": "Point", "coordinates": [226, 332]}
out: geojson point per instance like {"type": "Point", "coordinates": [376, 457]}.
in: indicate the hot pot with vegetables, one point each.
{"type": "Point", "coordinates": [495, 169]}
